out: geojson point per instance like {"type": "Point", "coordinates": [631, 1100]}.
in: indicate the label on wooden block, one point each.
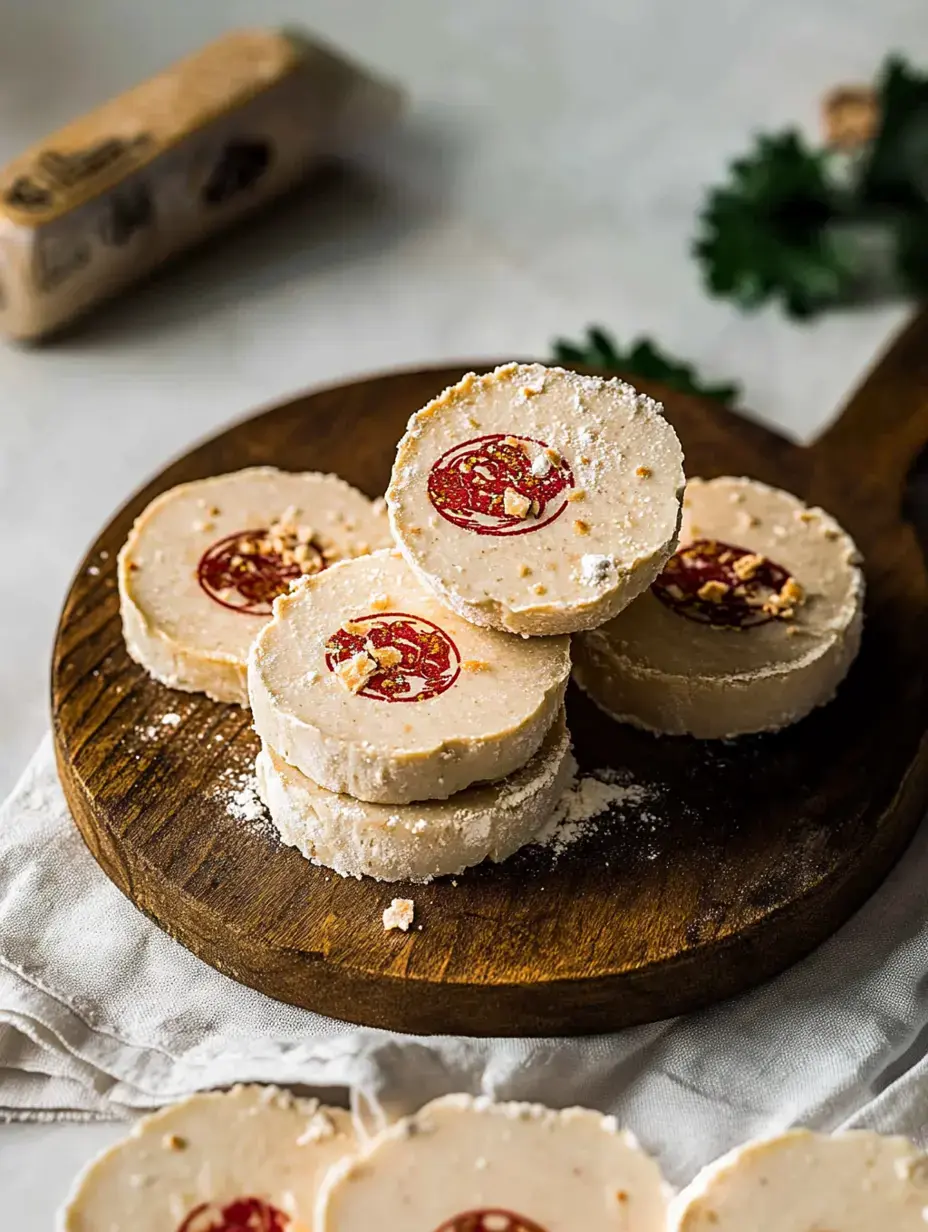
{"type": "Point", "coordinates": [115, 193]}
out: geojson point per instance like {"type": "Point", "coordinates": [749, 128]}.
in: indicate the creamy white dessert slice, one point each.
{"type": "Point", "coordinates": [469, 1165]}
{"type": "Point", "coordinates": [535, 500]}
{"type": "Point", "coordinates": [369, 686]}
{"type": "Point", "coordinates": [250, 1158]}
{"type": "Point", "coordinates": [205, 561]}
{"type": "Point", "coordinates": [753, 622]}
{"type": "Point", "coordinates": [416, 842]}
{"type": "Point", "coordinates": [806, 1182]}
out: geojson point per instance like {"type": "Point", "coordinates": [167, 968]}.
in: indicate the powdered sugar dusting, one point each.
{"type": "Point", "coordinates": [588, 799]}
{"type": "Point", "coordinates": [238, 794]}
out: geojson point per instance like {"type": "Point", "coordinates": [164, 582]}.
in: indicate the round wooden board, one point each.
{"type": "Point", "coordinates": [743, 857]}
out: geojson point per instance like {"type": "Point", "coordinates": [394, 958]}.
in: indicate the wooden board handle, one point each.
{"type": "Point", "coordinates": [884, 427]}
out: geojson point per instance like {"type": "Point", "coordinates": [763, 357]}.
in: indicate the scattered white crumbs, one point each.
{"type": "Point", "coordinates": [244, 803]}
{"type": "Point", "coordinates": [93, 570]}
{"type": "Point", "coordinates": [541, 465]}
{"type": "Point", "coordinates": [399, 914]}
{"type": "Point", "coordinates": [596, 569]}
{"type": "Point", "coordinates": [586, 798]}
{"type": "Point", "coordinates": [170, 720]}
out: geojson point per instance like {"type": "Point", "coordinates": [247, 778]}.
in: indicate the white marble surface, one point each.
{"type": "Point", "coordinates": [547, 176]}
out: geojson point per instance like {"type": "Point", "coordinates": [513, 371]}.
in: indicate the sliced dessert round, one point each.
{"type": "Point", "coordinates": [850, 1182]}
{"type": "Point", "coordinates": [416, 842]}
{"type": "Point", "coordinates": [753, 622]}
{"type": "Point", "coordinates": [468, 1165]}
{"type": "Point", "coordinates": [535, 500]}
{"type": "Point", "coordinates": [205, 561]}
{"type": "Point", "coordinates": [252, 1157]}
{"type": "Point", "coordinates": [365, 683]}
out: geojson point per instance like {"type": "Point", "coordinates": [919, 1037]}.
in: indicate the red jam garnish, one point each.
{"type": "Point", "coordinates": [245, 574]}
{"type": "Point", "coordinates": [720, 584]}
{"type": "Point", "coordinates": [472, 484]}
{"type": "Point", "coordinates": [489, 1221]}
{"type": "Point", "coordinates": [240, 1215]}
{"type": "Point", "coordinates": [415, 658]}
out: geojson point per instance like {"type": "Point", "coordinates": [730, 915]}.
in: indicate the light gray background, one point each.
{"type": "Point", "coordinates": [547, 176]}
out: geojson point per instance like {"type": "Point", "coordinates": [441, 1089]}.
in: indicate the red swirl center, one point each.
{"type": "Point", "coordinates": [489, 1221]}
{"type": "Point", "coordinates": [393, 657]}
{"type": "Point", "coordinates": [245, 572]}
{"type": "Point", "coordinates": [500, 485]}
{"type": "Point", "coordinates": [240, 1215]}
{"type": "Point", "coordinates": [719, 584]}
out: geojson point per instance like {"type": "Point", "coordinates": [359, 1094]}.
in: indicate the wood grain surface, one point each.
{"type": "Point", "coordinates": [745, 856]}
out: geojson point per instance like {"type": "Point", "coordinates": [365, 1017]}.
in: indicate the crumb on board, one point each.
{"type": "Point", "coordinates": [399, 914]}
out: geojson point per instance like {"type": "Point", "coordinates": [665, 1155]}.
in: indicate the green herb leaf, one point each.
{"type": "Point", "coordinates": [764, 235]}
{"type": "Point", "coordinates": [643, 359]}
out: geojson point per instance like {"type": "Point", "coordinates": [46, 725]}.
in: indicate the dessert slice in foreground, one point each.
{"type": "Point", "coordinates": [369, 686]}
{"type": "Point", "coordinates": [205, 561]}
{"type": "Point", "coordinates": [250, 1158]}
{"type": "Point", "coordinates": [468, 1165]}
{"type": "Point", "coordinates": [536, 500]}
{"type": "Point", "coordinates": [799, 1181]}
{"type": "Point", "coordinates": [416, 842]}
{"type": "Point", "coordinates": [753, 622]}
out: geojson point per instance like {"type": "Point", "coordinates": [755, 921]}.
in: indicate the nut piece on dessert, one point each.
{"type": "Point", "coordinates": [752, 623]}
{"type": "Point", "coordinates": [846, 1182]}
{"type": "Point", "coordinates": [331, 699]}
{"type": "Point", "coordinates": [507, 486]}
{"type": "Point", "coordinates": [205, 561]}
{"type": "Point", "coordinates": [252, 1157]}
{"type": "Point", "coordinates": [416, 842]}
{"type": "Point", "coordinates": [469, 1165]}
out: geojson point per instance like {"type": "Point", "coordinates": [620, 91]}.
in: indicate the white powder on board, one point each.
{"type": "Point", "coordinates": [586, 798]}
{"type": "Point", "coordinates": [244, 802]}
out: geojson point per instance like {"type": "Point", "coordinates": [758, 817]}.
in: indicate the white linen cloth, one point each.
{"type": "Point", "coordinates": [102, 1015]}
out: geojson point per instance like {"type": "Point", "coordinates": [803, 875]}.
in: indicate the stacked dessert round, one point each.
{"type": "Point", "coordinates": [205, 561]}
{"type": "Point", "coordinates": [753, 622]}
{"type": "Point", "coordinates": [400, 741]}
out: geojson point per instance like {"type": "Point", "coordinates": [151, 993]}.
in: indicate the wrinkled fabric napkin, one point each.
{"type": "Point", "coordinates": [103, 1015]}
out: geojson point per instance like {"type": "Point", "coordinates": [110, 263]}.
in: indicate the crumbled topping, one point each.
{"type": "Point", "coordinates": [745, 567]}
{"type": "Point", "coordinates": [804, 515]}
{"type": "Point", "coordinates": [359, 627]}
{"type": "Point", "coordinates": [784, 603]}
{"type": "Point", "coordinates": [354, 673]}
{"type": "Point", "coordinates": [475, 665]}
{"type": "Point", "coordinates": [386, 656]}
{"type": "Point", "coordinates": [749, 521]}
{"type": "Point", "coordinates": [536, 386]}
{"type": "Point", "coordinates": [552, 455]}
{"type": "Point", "coordinates": [204, 526]}
{"type": "Point", "coordinates": [713, 592]}
{"type": "Point", "coordinates": [319, 1127]}
{"type": "Point", "coordinates": [517, 443]}
{"type": "Point", "coordinates": [576, 494]}
{"type": "Point", "coordinates": [541, 465]}
{"type": "Point", "coordinates": [474, 423]}
{"type": "Point", "coordinates": [831, 533]}
{"type": "Point", "coordinates": [525, 570]}
{"type": "Point", "coordinates": [174, 1142]}
{"type": "Point", "coordinates": [540, 590]}
{"type": "Point", "coordinates": [380, 603]}
{"type": "Point", "coordinates": [596, 569]}
{"type": "Point", "coordinates": [581, 527]}
{"type": "Point", "coordinates": [399, 914]}
{"type": "Point", "coordinates": [643, 472]}
{"type": "Point", "coordinates": [515, 504]}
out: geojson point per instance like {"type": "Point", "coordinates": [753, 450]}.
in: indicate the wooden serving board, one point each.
{"type": "Point", "coordinates": [749, 854]}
